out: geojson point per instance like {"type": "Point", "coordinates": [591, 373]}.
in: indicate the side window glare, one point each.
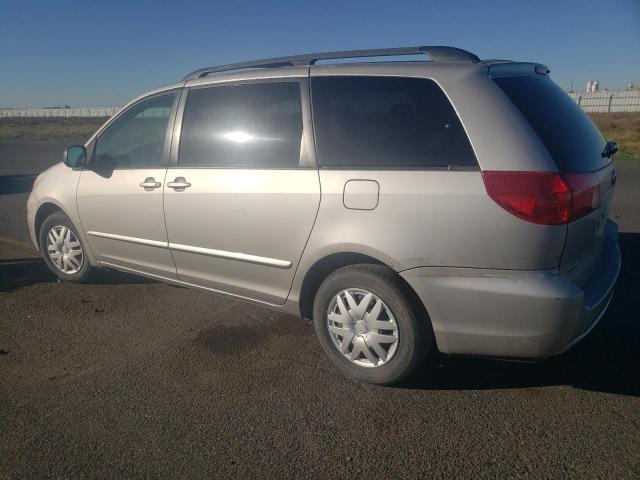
{"type": "Point", "coordinates": [257, 125]}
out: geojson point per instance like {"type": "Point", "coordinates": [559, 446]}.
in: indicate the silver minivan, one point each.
{"type": "Point", "coordinates": [407, 207]}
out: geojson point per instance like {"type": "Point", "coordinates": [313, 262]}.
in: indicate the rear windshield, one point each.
{"type": "Point", "coordinates": [569, 135]}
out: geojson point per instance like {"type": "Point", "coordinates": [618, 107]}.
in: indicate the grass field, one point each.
{"type": "Point", "coordinates": [48, 128]}
{"type": "Point", "coordinates": [623, 128]}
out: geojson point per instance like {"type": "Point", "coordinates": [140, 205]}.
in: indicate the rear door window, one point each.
{"type": "Point", "coordinates": [571, 138]}
{"type": "Point", "coordinates": [257, 125]}
{"type": "Point", "coordinates": [389, 122]}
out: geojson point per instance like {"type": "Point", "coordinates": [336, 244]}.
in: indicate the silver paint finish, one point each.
{"type": "Point", "coordinates": [150, 183]}
{"type": "Point", "coordinates": [179, 184]}
{"type": "Point", "coordinates": [57, 187]}
{"type": "Point", "coordinates": [174, 281]}
{"type": "Point", "coordinates": [267, 215]}
{"type": "Point", "coordinates": [437, 228]}
{"type": "Point", "coordinates": [287, 73]}
{"type": "Point", "coordinates": [585, 237]}
{"type": "Point", "coordinates": [507, 313]}
{"type": "Point", "coordinates": [241, 257]}
{"type": "Point", "coordinates": [514, 313]}
{"type": "Point", "coordinates": [361, 194]}
{"type": "Point", "coordinates": [429, 218]}
{"type": "Point", "coordinates": [32, 207]}
{"type": "Point", "coordinates": [124, 238]}
{"type": "Point", "coordinates": [436, 53]}
{"type": "Point", "coordinates": [119, 207]}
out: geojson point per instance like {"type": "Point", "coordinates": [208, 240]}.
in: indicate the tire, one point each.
{"type": "Point", "coordinates": [63, 249]}
{"type": "Point", "coordinates": [396, 329]}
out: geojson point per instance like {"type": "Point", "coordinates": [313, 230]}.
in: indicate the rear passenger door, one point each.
{"type": "Point", "coordinates": [400, 180]}
{"type": "Point", "coordinates": [242, 191]}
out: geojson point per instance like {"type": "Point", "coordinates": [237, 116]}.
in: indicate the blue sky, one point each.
{"type": "Point", "coordinates": [95, 53]}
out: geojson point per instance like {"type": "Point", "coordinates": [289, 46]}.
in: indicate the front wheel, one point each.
{"type": "Point", "coordinates": [367, 325]}
{"type": "Point", "coordinates": [63, 250]}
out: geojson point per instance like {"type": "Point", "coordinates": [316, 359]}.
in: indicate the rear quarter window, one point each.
{"type": "Point", "coordinates": [389, 122]}
{"type": "Point", "coordinates": [569, 135]}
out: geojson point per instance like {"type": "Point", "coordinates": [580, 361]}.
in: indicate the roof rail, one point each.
{"type": "Point", "coordinates": [437, 54]}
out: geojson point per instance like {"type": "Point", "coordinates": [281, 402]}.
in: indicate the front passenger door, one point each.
{"type": "Point", "coordinates": [120, 194]}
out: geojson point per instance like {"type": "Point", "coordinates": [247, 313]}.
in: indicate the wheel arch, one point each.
{"type": "Point", "coordinates": [50, 206]}
{"type": "Point", "coordinates": [324, 266]}
{"type": "Point", "coordinates": [44, 210]}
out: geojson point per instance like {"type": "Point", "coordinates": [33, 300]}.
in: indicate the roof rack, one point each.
{"type": "Point", "coordinates": [436, 53]}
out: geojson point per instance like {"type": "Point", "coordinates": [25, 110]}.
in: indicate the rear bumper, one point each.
{"type": "Point", "coordinates": [516, 314]}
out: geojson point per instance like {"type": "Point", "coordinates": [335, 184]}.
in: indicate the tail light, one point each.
{"type": "Point", "coordinates": [586, 193]}
{"type": "Point", "coordinates": [546, 198]}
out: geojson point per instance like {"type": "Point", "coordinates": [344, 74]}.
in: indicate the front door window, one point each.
{"type": "Point", "coordinates": [137, 139]}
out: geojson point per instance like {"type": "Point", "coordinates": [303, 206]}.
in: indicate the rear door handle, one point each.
{"type": "Point", "coordinates": [179, 184]}
{"type": "Point", "coordinates": [149, 184]}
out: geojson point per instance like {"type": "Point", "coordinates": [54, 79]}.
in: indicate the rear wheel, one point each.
{"type": "Point", "coordinates": [63, 250]}
{"type": "Point", "coordinates": [368, 326]}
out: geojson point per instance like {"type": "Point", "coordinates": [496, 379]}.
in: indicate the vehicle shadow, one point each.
{"type": "Point", "coordinates": [24, 272]}
{"type": "Point", "coordinates": [11, 184]}
{"type": "Point", "coordinates": [606, 361]}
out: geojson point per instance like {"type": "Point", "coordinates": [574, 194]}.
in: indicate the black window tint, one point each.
{"type": "Point", "coordinates": [136, 139]}
{"type": "Point", "coordinates": [386, 122]}
{"type": "Point", "coordinates": [569, 135]}
{"type": "Point", "coordinates": [253, 125]}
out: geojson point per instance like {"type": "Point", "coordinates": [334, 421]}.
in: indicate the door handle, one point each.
{"type": "Point", "coordinates": [149, 184]}
{"type": "Point", "coordinates": [179, 184]}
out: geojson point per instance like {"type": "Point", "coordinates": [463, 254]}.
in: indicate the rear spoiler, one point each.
{"type": "Point", "coordinates": [516, 69]}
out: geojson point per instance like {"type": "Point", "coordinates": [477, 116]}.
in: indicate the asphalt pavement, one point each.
{"type": "Point", "coordinates": [129, 378]}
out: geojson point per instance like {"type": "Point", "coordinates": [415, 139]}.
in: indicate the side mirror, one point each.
{"type": "Point", "coordinates": [75, 156]}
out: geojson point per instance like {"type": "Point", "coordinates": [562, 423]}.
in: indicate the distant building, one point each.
{"type": "Point", "coordinates": [593, 86]}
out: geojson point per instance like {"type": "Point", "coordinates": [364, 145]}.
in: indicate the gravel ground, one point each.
{"type": "Point", "coordinates": [132, 378]}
